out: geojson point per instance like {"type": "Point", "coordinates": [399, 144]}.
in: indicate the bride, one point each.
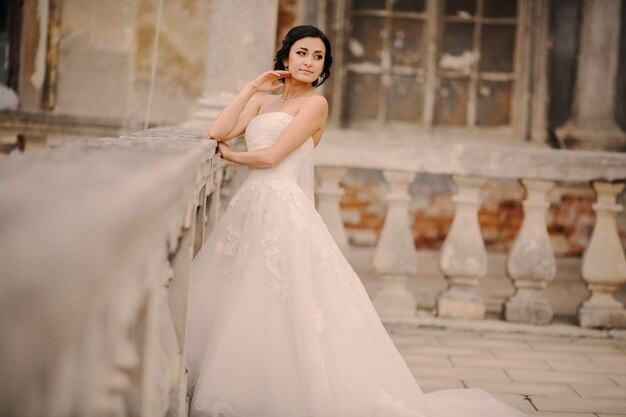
{"type": "Point", "coordinates": [279, 323]}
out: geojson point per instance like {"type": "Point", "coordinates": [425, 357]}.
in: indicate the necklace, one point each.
{"type": "Point", "coordinates": [283, 98]}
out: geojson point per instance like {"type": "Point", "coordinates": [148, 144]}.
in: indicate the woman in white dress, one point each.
{"type": "Point", "coordinates": [279, 323]}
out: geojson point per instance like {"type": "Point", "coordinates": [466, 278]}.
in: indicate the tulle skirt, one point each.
{"type": "Point", "coordinates": [281, 326]}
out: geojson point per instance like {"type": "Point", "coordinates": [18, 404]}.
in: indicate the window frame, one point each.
{"type": "Point", "coordinates": [337, 14]}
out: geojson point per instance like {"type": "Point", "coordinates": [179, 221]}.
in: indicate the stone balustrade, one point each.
{"type": "Point", "coordinates": [463, 260]}
{"type": "Point", "coordinates": [97, 239]}
{"type": "Point", "coordinates": [96, 243]}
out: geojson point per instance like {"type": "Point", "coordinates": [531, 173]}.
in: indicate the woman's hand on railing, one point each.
{"type": "Point", "coordinates": [223, 150]}
{"type": "Point", "coordinates": [215, 141]}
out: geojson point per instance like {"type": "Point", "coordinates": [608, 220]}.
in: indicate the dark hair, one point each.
{"type": "Point", "coordinates": [294, 35]}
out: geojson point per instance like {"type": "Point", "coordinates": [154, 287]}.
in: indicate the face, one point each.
{"type": "Point", "coordinates": [306, 59]}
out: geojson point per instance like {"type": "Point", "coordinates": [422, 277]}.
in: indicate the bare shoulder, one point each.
{"type": "Point", "coordinates": [315, 105]}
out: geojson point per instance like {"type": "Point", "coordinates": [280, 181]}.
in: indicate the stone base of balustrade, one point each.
{"type": "Point", "coordinates": [394, 300]}
{"type": "Point", "coordinates": [591, 315]}
{"type": "Point", "coordinates": [528, 308]}
{"type": "Point", "coordinates": [461, 302]}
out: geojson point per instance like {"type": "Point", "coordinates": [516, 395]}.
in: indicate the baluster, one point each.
{"type": "Point", "coordinates": [531, 264]}
{"type": "Point", "coordinates": [213, 201]}
{"type": "Point", "coordinates": [200, 220]}
{"type": "Point", "coordinates": [463, 255]}
{"type": "Point", "coordinates": [395, 257]}
{"type": "Point", "coordinates": [604, 264]}
{"type": "Point", "coordinates": [328, 194]}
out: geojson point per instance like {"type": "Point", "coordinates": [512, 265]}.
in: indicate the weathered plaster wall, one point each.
{"type": "Point", "coordinates": [290, 14]}
{"type": "Point", "coordinates": [106, 52]}
{"type": "Point", "coordinates": [96, 58]}
{"type": "Point", "coordinates": [183, 44]}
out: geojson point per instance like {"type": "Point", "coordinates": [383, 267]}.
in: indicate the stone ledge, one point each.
{"type": "Point", "coordinates": [403, 325]}
{"type": "Point", "coordinates": [359, 149]}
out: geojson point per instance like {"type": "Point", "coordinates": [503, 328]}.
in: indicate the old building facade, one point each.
{"type": "Point", "coordinates": [473, 154]}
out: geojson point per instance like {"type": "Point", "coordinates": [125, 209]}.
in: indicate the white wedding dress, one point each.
{"type": "Point", "coordinates": [280, 324]}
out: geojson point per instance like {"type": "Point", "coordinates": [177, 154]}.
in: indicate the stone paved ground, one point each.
{"type": "Point", "coordinates": [549, 375]}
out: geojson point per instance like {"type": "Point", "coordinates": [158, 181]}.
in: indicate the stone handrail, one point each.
{"type": "Point", "coordinates": [531, 262]}
{"type": "Point", "coordinates": [96, 243]}
{"type": "Point", "coordinates": [364, 150]}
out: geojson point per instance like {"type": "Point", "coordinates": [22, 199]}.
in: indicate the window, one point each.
{"type": "Point", "coordinates": [428, 64]}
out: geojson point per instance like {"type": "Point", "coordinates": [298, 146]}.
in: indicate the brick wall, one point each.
{"type": "Point", "coordinates": [570, 218]}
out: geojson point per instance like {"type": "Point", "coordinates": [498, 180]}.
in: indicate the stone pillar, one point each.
{"type": "Point", "coordinates": [531, 264]}
{"type": "Point", "coordinates": [604, 264]}
{"type": "Point", "coordinates": [395, 257]}
{"type": "Point", "coordinates": [593, 125]}
{"type": "Point", "coordinates": [327, 197]}
{"type": "Point", "coordinates": [242, 37]}
{"type": "Point", "coordinates": [463, 255]}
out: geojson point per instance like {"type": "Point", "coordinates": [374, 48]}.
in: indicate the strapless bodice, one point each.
{"type": "Point", "coordinates": [263, 131]}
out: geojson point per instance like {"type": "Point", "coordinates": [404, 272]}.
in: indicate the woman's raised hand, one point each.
{"type": "Point", "coordinates": [268, 81]}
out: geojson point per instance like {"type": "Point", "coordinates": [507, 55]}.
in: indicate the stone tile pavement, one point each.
{"type": "Point", "coordinates": [553, 371]}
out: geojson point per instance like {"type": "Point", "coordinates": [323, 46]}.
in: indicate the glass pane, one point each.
{"type": "Point", "coordinates": [409, 5]}
{"type": "Point", "coordinates": [368, 4]}
{"type": "Point", "coordinates": [494, 103]}
{"type": "Point", "coordinates": [461, 8]}
{"type": "Point", "coordinates": [500, 8]}
{"type": "Point", "coordinates": [458, 38]}
{"type": "Point", "coordinates": [457, 49]}
{"type": "Point", "coordinates": [366, 42]}
{"type": "Point", "coordinates": [363, 96]}
{"type": "Point", "coordinates": [452, 98]}
{"type": "Point", "coordinates": [405, 99]}
{"type": "Point", "coordinates": [497, 48]}
{"type": "Point", "coordinates": [407, 43]}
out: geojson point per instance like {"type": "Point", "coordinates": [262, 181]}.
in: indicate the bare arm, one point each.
{"type": "Point", "coordinates": [232, 121]}
{"type": "Point", "coordinates": [309, 120]}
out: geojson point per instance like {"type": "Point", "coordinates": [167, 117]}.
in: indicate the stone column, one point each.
{"type": "Point", "coordinates": [242, 37]}
{"type": "Point", "coordinates": [327, 197]}
{"type": "Point", "coordinates": [395, 257]}
{"type": "Point", "coordinates": [463, 255]}
{"type": "Point", "coordinates": [531, 264]}
{"type": "Point", "coordinates": [604, 264]}
{"type": "Point", "coordinates": [593, 125]}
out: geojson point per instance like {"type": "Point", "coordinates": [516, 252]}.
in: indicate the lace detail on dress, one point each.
{"type": "Point", "coordinates": [319, 318]}
{"type": "Point", "coordinates": [356, 316]}
{"type": "Point", "coordinates": [226, 272]}
{"type": "Point", "coordinates": [329, 254]}
{"type": "Point", "coordinates": [232, 240]}
{"type": "Point", "coordinates": [279, 283]}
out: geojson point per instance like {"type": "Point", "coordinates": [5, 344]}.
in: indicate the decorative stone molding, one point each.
{"type": "Point", "coordinates": [463, 255]}
{"type": "Point", "coordinates": [395, 257]}
{"type": "Point", "coordinates": [531, 264]}
{"type": "Point", "coordinates": [102, 313]}
{"type": "Point", "coordinates": [604, 263]}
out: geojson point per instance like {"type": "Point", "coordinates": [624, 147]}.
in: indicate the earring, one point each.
{"type": "Point", "coordinates": [286, 67]}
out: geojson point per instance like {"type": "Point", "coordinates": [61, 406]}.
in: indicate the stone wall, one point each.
{"type": "Point", "coordinates": [183, 44]}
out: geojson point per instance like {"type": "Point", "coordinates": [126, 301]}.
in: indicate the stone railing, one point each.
{"type": "Point", "coordinates": [463, 258]}
{"type": "Point", "coordinates": [96, 244]}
